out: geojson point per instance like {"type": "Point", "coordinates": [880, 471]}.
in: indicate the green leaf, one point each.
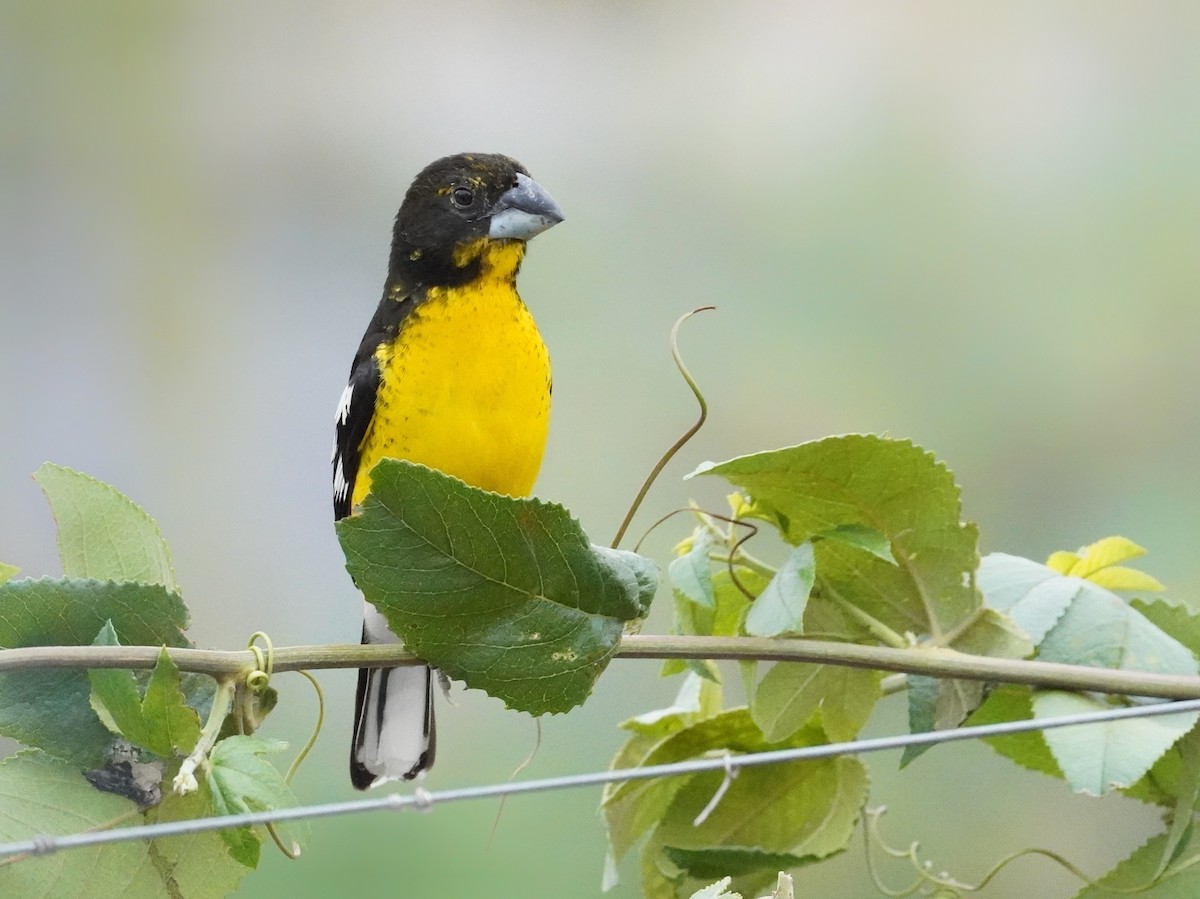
{"type": "Point", "coordinates": [780, 607]}
{"type": "Point", "coordinates": [102, 533]}
{"type": "Point", "coordinates": [864, 538]}
{"type": "Point", "coordinates": [813, 815]}
{"type": "Point", "coordinates": [790, 692]}
{"type": "Point", "coordinates": [1029, 749]}
{"type": "Point", "coordinates": [802, 809]}
{"type": "Point", "coordinates": [1034, 596]}
{"type": "Point", "coordinates": [889, 486]}
{"type": "Point", "coordinates": [161, 721]}
{"type": "Point", "coordinates": [165, 708]}
{"type": "Point", "coordinates": [8, 572]}
{"type": "Point", "coordinates": [732, 860]}
{"type": "Point", "coordinates": [42, 795]}
{"type": "Point", "coordinates": [1181, 880]}
{"type": "Point", "coordinates": [937, 704]}
{"type": "Point", "coordinates": [632, 808]}
{"type": "Point", "coordinates": [242, 780]}
{"type": "Point", "coordinates": [504, 594]}
{"type": "Point", "coordinates": [786, 697]}
{"type": "Point", "coordinates": [1185, 807]}
{"type": "Point", "coordinates": [1173, 618]}
{"type": "Point", "coordinates": [691, 573]}
{"type": "Point", "coordinates": [943, 703]}
{"type": "Point", "coordinates": [1075, 621]}
{"type": "Point", "coordinates": [50, 709]}
{"type": "Point", "coordinates": [115, 696]}
{"type": "Point", "coordinates": [200, 865]}
{"type": "Point", "coordinates": [1096, 757]}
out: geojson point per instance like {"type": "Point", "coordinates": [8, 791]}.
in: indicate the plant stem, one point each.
{"type": "Point", "coordinates": [931, 661]}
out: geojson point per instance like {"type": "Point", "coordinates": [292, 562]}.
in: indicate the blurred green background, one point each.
{"type": "Point", "coordinates": [975, 226]}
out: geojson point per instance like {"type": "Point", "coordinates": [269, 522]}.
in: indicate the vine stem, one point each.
{"type": "Point", "coordinates": [678, 444]}
{"type": "Point", "coordinates": [932, 662]}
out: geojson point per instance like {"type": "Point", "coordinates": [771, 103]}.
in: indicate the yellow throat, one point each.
{"type": "Point", "coordinates": [465, 384]}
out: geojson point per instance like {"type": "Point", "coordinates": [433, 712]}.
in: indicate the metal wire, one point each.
{"type": "Point", "coordinates": [424, 800]}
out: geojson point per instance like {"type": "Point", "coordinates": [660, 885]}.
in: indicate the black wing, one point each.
{"type": "Point", "coordinates": [356, 410]}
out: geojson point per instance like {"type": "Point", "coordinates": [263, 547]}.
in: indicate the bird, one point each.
{"type": "Point", "coordinates": [452, 373]}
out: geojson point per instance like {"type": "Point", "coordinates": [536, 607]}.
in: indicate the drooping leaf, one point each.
{"type": "Point", "coordinates": [780, 607]}
{"type": "Point", "coordinates": [1097, 757]}
{"type": "Point", "coordinates": [890, 486]}
{"type": "Point", "coordinates": [50, 709]}
{"type": "Point", "coordinates": [103, 534]}
{"type": "Point", "coordinates": [504, 594]}
{"type": "Point", "coordinates": [241, 779]}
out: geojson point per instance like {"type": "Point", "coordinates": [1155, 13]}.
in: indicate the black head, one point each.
{"type": "Point", "coordinates": [461, 200]}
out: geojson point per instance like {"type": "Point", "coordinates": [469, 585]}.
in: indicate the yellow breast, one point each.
{"type": "Point", "coordinates": [465, 385]}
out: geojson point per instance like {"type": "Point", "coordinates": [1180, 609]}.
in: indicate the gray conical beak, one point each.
{"type": "Point", "coordinates": [524, 211]}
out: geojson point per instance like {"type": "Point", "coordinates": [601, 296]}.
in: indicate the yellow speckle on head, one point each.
{"type": "Point", "coordinates": [414, 255]}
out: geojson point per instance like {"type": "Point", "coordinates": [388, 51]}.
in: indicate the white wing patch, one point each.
{"type": "Point", "coordinates": [343, 409]}
{"type": "Point", "coordinates": [341, 489]}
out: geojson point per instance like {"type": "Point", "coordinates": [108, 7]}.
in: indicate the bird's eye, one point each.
{"type": "Point", "coordinates": [462, 197]}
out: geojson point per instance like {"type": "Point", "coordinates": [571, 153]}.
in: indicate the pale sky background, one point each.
{"type": "Point", "coordinates": [974, 226]}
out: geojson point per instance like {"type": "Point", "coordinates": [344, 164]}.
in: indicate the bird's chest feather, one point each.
{"type": "Point", "coordinates": [464, 388]}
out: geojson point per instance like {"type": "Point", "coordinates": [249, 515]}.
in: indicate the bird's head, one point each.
{"type": "Point", "coordinates": [460, 212]}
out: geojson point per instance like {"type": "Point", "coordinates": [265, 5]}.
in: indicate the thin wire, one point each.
{"type": "Point", "coordinates": [424, 801]}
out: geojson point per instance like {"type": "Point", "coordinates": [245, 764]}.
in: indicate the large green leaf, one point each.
{"type": "Point", "coordinates": [102, 533]}
{"type": "Point", "coordinates": [42, 795]}
{"type": "Point", "coordinates": [504, 594]}
{"type": "Point", "coordinates": [839, 485]}
{"type": "Point", "coordinates": [50, 708]}
{"type": "Point", "coordinates": [802, 809]}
